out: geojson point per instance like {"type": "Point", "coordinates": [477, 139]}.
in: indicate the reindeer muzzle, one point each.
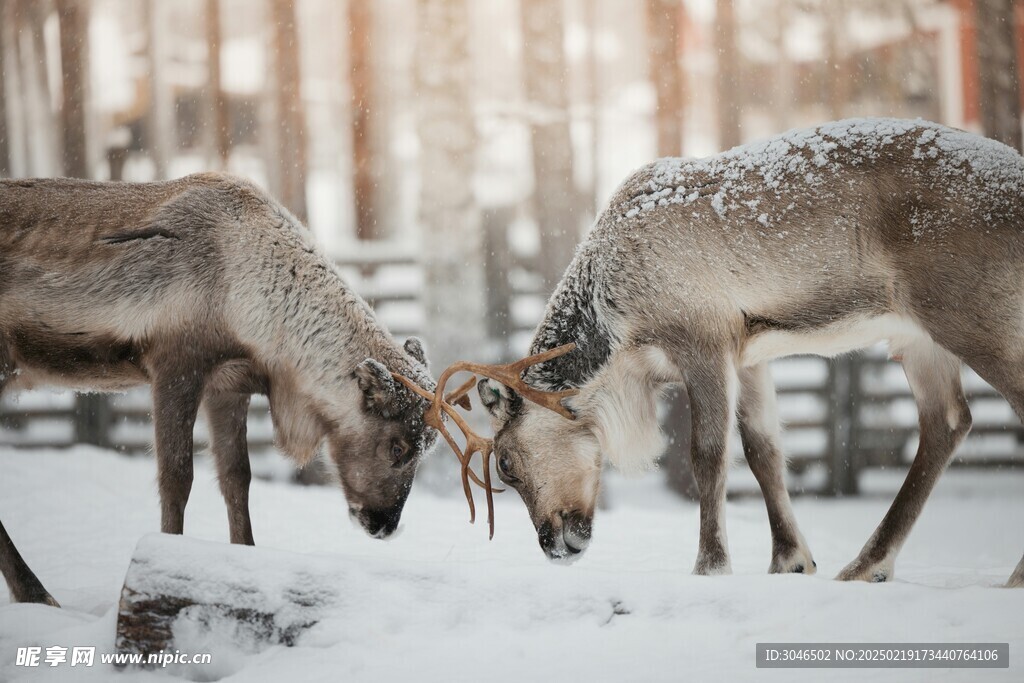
{"type": "Point", "coordinates": [564, 538]}
{"type": "Point", "coordinates": [377, 523]}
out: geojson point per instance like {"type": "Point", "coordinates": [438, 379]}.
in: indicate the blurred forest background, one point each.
{"type": "Point", "coordinates": [450, 154]}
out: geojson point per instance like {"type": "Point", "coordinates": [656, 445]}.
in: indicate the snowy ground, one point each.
{"type": "Point", "coordinates": [441, 603]}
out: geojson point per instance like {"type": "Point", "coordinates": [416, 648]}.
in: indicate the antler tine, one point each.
{"type": "Point", "coordinates": [432, 418]}
{"type": "Point", "coordinates": [485, 456]}
{"type": "Point", "coordinates": [459, 396]}
{"type": "Point", "coordinates": [474, 442]}
{"type": "Point", "coordinates": [509, 374]}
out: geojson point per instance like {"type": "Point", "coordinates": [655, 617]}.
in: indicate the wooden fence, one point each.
{"type": "Point", "coordinates": [841, 416]}
{"type": "Point", "coordinates": [857, 412]}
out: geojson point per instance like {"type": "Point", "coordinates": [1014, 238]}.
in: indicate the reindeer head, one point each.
{"type": "Point", "coordinates": [552, 460]}
{"type": "Point", "coordinates": [375, 437]}
{"type": "Point", "coordinates": [542, 451]}
{"type": "Point", "coordinates": [377, 461]}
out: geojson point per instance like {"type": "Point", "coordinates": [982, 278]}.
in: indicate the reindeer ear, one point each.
{"type": "Point", "coordinates": [414, 347]}
{"type": "Point", "coordinates": [500, 401]}
{"type": "Point", "coordinates": [378, 387]}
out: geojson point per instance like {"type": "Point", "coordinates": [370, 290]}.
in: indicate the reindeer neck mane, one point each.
{"type": "Point", "coordinates": [574, 314]}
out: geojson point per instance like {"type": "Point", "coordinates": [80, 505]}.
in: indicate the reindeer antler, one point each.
{"type": "Point", "coordinates": [509, 374]}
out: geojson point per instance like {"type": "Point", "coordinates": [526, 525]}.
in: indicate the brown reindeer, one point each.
{"type": "Point", "coordinates": [700, 271]}
{"type": "Point", "coordinates": [209, 291]}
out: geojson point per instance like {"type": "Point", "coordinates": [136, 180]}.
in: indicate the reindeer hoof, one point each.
{"type": "Point", "coordinates": [38, 598]}
{"type": "Point", "coordinates": [797, 561]}
{"type": "Point", "coordinates": [26, 587]}
{"type": "Point", "coordinates": [706, 567]}
{"type": "Point", "coordinates": [880, 572]}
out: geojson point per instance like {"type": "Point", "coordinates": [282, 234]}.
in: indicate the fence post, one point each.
{"type": "Point", "coordinates": [842, 389]}
{"type": "Point", "coordinates": [93, 419]}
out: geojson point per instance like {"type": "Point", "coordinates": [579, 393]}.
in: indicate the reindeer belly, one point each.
{"type": "Point", "coordinates": [74, 360]}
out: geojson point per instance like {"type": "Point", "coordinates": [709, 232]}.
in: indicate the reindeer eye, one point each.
{"type": "Point", "coordinates": [505, 466]}
{"type": "Point", "coordinates": [398, 451]}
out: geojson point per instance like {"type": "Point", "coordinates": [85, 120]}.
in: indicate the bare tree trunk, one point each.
{"type": "Point", "coordinates": [785, 92]}
{"type": "Point", "coordinates": [74, 53]}
{"type": "Point", "coordinates": [219, 126]}
{"type": "Point", "coordinates": [590, 20]}
{"type": "Point", "coordinates": [17, 135]}
{"type": "Point", "coordinates": [292, 130]}
{"type": "Point", "coordinates": [454, 292]}
{"type": "Point", "coordinates": [834, 16]}
{"type": "Point", "coordinates": [995, 37]}
{"type": "Point", "coordinates": [42, 157]}
{"type": "Point", "coordinates": [5, 147]}
{"type": "Point", "coordinates": [546, 79]}
{"type": "Point", "coordinates": [364, 177]}
{"type": "Point", "coordinates": [921, 69]}
{"type": "Point", "coordinates": [269, 116]}
{"type": "Point", "coordinates": [728, 75]}
{"type": "Point", "coordinates": [160, 139]}
{"type": "Point", "coordinates": [666, 74]}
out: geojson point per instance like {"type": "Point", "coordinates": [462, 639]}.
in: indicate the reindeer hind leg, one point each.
{"type": "Point", "coordinates": [1006, 375]}
{"type": "Point", "coordinates": [1011, 386]}
{"type": "Point", "coordinates": [22, 582]}
{"type": "Point", "coordinates": [994, 348]}
{"type": "Point", "coordinates": [990, 340]}
{"type": "Point", "coordinates": [945, 419]}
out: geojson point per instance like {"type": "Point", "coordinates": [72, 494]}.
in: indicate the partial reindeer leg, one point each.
{"type": "Point", "coordinates": [711, 384]}
{"type": "Point", "coordinates": [1010, 383]}
{"type": "Point", "coordinates": [759, 430]}
{"type": "Point", "coordinates": [945, 419]}
{"type": "Point", "coordinates": [21, 581]}
{"type": "Point", "coordinates": [1011, 386]}
{"type": "Point", "coordinates": [1004, 370]}
{"type": "Point", "coordinates": [226, 413]}
{"type": "Point", "coordinates": [176, 396]}
{"type": "Point", "coordinates": [1016, 579]}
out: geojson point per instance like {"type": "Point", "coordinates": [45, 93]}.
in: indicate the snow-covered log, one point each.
{"type": "Point", "coordinates": [179, 587]}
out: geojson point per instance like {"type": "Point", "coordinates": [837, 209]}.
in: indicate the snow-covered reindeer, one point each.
{"type": "Point", "coordinates": [210, 291]}
{"type": "Point", "coordinates": [700, 271]}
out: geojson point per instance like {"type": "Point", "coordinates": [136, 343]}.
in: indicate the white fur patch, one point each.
{"type": "Point", "coordinates": [620, 402]}
{"type": "Point", "coordinates": [842, 337]}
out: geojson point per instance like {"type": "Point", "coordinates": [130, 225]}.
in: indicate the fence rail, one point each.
{"type": "Point", "coordinates": [841, 416]}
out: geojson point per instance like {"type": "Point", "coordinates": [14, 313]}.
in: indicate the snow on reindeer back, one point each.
{"type": "Point", "coordinates": [802, 162]}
